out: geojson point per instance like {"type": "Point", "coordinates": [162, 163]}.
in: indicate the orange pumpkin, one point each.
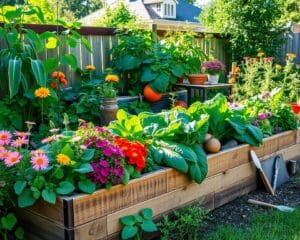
{"type": "Point", "coordinates": [151, 95]}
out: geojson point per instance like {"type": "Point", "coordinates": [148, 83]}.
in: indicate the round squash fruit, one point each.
{"type": "Point", "coordinates": [212, 145]}
{"type": "Point", "coordinates": [151, 95]}
{"type": "Point", "coordinates": [180, 103]}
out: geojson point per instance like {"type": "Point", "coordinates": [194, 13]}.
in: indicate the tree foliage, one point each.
{"type": "Point", "coordinates": [117, 16]}
{"type": "Point", "coordinates": [291, 11]}
{"type": "Point", "coordinates": [251, 25]}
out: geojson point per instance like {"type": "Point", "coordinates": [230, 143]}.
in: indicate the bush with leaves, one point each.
{"type": "Point", "coordinates": [251, 26]}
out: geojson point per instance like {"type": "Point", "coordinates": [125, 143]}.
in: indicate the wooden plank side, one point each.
{"type": "Point", "coordinates": [102, 202]}
{"type": "Point", "coordinates": [41, 228]}
{"type": "Point", "coordinates": [94, 230]}
{"type": "Point", "coordinates": [287, 139]}
{"type": "Point", "coordinates": [227, 159]}
{"type": "Point", "coordinates": [53, 212]}
{"type": "Point", "coordinates": [289, 153]}
{"type": "Point", "coordinates": [298, 136]}
{"type": "Point", "coordinates": [180, 197]}
{"type": "Point", "coordinates": [235, 190]}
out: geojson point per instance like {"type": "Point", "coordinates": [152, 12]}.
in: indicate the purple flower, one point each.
{"type": "Point", "coordinates": [117, 161]}
{"type": "Point", "coordinates": [261, 116]}
{"type": "Point", "coordinates": [277, 129]}
{"type": "Point", "coordinates": [104, 172]}
{"type": "Point", "coordinates": [255, 123]}
{"type": "Point", "coordinates": [102, 143]}
{"type": "Point", "coordinates": [104, 163]}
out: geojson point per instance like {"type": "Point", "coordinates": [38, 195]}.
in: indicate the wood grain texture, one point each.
{"type": "Point", "coordinates": [102, 202]}
{"type": "Point", "coordinates": [180, 197]}
{"type": "Point", "coordinates": [235, 190]}
{"type": "Point", "coordinates": [298, 136]}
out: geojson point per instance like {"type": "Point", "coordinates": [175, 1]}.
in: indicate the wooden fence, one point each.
{"type": "Point", "coordinates": [292, 45]}
{"type": "Point", "coordinates": [102, 39]}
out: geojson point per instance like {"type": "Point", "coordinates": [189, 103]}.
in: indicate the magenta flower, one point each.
{"type": "Point", "coordinates": [104, 163]}
{"type": "Point", "coordinates": [262, 116]}
{"type": "Point", "coordinates": [102, 143]}
{"type": "Point", "coordinates": [12, 159]}
{"type": "Point", "coordinates": [39, 161]}
{"type": "Point", "coordinates": [5, 137]}
{"type": "Point", "coordinates": [22, 134]}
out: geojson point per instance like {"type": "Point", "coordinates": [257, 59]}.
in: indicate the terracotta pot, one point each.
{"type": "Point", "coordinates": [295, 107]}
{"type": "Point", "coordinates": [197, 78]}
{"type": "Point", "coordinates": [108, 110]}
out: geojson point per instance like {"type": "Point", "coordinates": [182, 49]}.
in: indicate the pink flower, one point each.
{"type": "Point", "coordinates": [47, 140]}
{"type": "Point", "coordinates": [19, 142]}
{"type": "Point", "coordinates": [12, 158]}
{"type": "Point", "coordinates": [21, 134]}
{"type": "Point", "coordinates": [3, 154]}
{"type": "Point", "coordinates": [39, 161]}
{"type": "Point", "coordinates": [5, 137]}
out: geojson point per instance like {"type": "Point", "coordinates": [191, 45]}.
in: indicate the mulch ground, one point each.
{"type": "Point", "coordinates": [238, 212]}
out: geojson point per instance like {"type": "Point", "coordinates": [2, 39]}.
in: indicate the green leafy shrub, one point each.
{"type": "Point", "coordinates": [185, 223]}
{"type": "Point", "coordinates": [135, 225]}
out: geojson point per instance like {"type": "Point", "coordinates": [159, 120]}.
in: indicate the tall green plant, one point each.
{"type": "Point", "coordinates": [251, 26]}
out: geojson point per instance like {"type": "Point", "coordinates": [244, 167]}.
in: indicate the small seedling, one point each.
{"type": "Point", "coordinates": [136, 224]}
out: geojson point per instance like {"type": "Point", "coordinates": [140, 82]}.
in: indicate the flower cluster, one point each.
{"type": "Point", "coordinates": [58, 78]}
{"type": "Point", "coordinates": [213, 67]}
{"type": "Point", "coordinates": [135, 152]}
{"type": "Point", "coordinates": [12, 150]}
{"type": "Point", "coordinates": [109, 159]}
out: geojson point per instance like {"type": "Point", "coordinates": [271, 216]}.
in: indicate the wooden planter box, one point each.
{"type": "Point", "coordinates": [96, 216]}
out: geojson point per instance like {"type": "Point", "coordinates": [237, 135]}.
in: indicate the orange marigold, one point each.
{"type": "Point", "coordinates": [42, 92]}
{"type": "Point", "coordinates": [111, 78]}
{"type": "Point", "coordinates": [63, 159]}
{"type": "Point", "coordinates": [90, 67]}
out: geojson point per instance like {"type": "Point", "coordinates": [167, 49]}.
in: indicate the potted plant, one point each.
{"type": "Point", "coordinates": [213, 70]}
{"type": "Point", "coordinates": [190, 58]}
{"type": "Point", "coordinates": [109, 106]}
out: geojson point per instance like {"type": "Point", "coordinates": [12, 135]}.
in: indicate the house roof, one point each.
{"type": "Point", "coordinates": [184, 11]}
{"type": "Point", "coordinates": [187, 12]}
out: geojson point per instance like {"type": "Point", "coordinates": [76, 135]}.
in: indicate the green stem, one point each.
{"type": "Point", "coordinates": [42, 111]}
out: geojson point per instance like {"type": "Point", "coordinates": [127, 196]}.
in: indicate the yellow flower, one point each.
{"type": "Point", "coordinates": [260, 54]}
{"type": "Point", "coordinates": [63, 159]}
{"type": "Point", "coordinates": [42, 92]}
{"type": "Point", "coordinates": [290, 56]}
{"type": "Point", "coordinates": [111, 78]}
{"type": "Point", "coordinates": [90, 67]}
{"type": "Point", "coordinates": [231, 80]}
{"type": "Point", "coordinates": [278, 66]}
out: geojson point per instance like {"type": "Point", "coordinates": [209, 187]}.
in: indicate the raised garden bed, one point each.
{"type": "Point", "coordinates": [96, 216]}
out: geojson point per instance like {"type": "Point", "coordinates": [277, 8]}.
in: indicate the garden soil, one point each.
{"type": "Point", "coordinates": [238, 212]}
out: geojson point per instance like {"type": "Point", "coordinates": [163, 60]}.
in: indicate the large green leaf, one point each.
{"type": "Point", "coordinates": [69, 59]}
{"type": "Point", "coordinates": [26, 199]}
{"type": "Point", "coordinates": [186, 152]}
{"type": "Point", "coordinates": [128, 62]}
{"type": "Point", "coordinates": [86, 186]}
{"type": "Point", "coordinates": [14, 76]}
{"type": "Point", "coordinates": [129, 232]}
{"type": "Point", "coordinates": [65, 188]}
{"type": "Point", "coordinates": [84, 168]}
{"type": "Point", "coordinates": [38, 70]}
{"type": "Point", "coordinates": [50, 64]}
{"type": "Point", "coordinates": [9, 221]}
{"type": "Point", "coordinates": [256, 133]}
{"type": "Point", "coordinates": [49, 196]}
{"type": "Point", "coordinates": [148, 75]}
{"type": "Point", "coordinates": [195, 172]}
{"type": "Point", "coordinates": [175, 160]}
{"type": "Point", "coordinates": [161, 83]}
{"type": "Point", "coordinates": [201, 160]}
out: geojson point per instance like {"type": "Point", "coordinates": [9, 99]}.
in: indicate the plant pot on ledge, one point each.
{"type": "Point", "coordinates": [108, 110]}
{"type": "Point", "coordinates": [213, 79]}
{"type": "Point", "coordinates": [197, 79]}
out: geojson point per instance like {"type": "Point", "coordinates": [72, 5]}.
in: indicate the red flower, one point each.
{"type": "Point", "coordinates": [54, 85]}
{"type": "Point", "coordinates": [64, 82]}
{"type": "Point", "coordinates": [135, 152]}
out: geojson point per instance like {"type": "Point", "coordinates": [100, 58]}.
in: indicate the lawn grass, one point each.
{"type": "Point", "coordinates": [272, 225]}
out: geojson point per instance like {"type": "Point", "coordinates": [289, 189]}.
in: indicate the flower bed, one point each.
{"type": "Point", "coordinates": [96, 216]}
